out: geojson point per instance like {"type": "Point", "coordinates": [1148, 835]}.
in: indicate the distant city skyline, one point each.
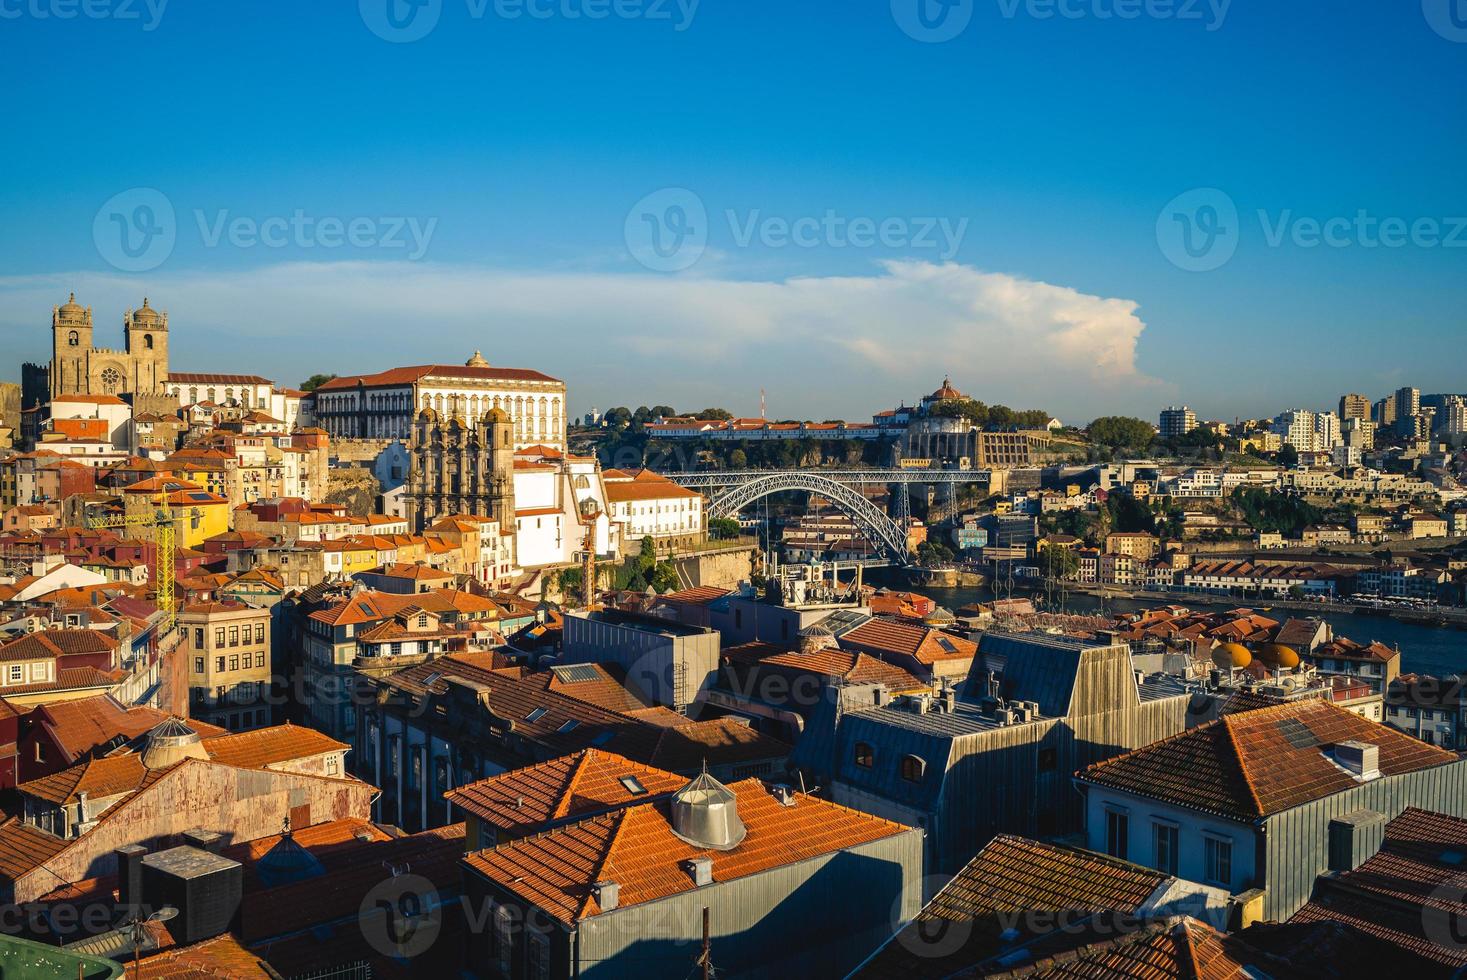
{"type": "Point", "coordinates": [1004, 204]}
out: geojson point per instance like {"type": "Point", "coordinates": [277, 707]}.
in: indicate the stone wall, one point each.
{"type": "Point", "coordinates": [716, 569]}
{"type": "Point", "coordinates": [354, 486]}
{"type": "Point", "coordinates": [358, 450]}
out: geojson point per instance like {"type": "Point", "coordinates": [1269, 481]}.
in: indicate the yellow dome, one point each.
{"type": "Point", "coordinates": [497, 416]}
{"type": "Point", "coordinates": [71, 306]}
{"type": "Point", "coordinates": [428, 415]}
{"type": "Point", "coordinates": [476, 361]}
{"type": "Point", "coordinates": [1278, 655]}
{"type": "Point", "coordinates": [145, 315]}
{"type": "Point", "coordinates": [1233, 655]}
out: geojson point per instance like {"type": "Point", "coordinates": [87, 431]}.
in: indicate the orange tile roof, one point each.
{"type": "Point", "coordinates": [98, 778]}
{"type": "Point", "coordinates": [1256, 763]}
{"type": "Point", "coordinates": [57, 643]}
{"type": "Point", "coordinates": [22, 847]}
{"type": "Point", "coordinates": [79, 726]}
{"type": "Point", "coordinates": [412, 375]}
{"type": "Point", "coordinates": [265, 747]}
{"type": "Point", "coordinates": [337, 895]}
{"type": "Point", "coordinates": [927, 646]}
{"type": "Point", "coordinates": [221, 957]}
{"type": "Point", "coordinates": [1013, 882]}
{"type": "Point", "coordinates": [637, 849]}
{"type": "Point", "coordinates": [589, 781]}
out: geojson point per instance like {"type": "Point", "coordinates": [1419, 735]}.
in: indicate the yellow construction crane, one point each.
{"type": "Point", "coordinates": [165, 551]}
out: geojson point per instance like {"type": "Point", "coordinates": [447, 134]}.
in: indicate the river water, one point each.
{"type": "Point", "coordinates": [1424, 649]}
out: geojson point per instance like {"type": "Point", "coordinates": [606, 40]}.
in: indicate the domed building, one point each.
{"type": "Point", "coordinates": [78, 367]}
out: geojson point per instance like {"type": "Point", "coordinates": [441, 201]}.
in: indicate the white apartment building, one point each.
{"type": "Point", "coordinates": [554, 496]}
{"type": "Point", "coordinates": [1326, 432]}
{"type": "Point", "coordinates": [242, 390]}
{"type": "Point", "coordinates": [646, 504]}
{"type": "Point", "coordinates": [1177, 421]}
{"type": "Point", "coordinates": [1296, 428]}
{"type": "Point", "coordinates": [383, 405]}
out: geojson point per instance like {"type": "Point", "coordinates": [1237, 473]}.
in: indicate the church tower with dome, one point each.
{"type": "Point", "coordinates": [78, 367]}
{"type": "Point", "coordinates": [461, 466]}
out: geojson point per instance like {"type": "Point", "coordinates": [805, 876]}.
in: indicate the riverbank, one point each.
{"type": "Point", "coordinates": [1425, 649]}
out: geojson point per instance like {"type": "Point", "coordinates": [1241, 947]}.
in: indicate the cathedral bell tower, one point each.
{"type": "Point", "coordinates": [146, 332]}
{"type": "Point", "coordinates": [499, 437]}
{"type": "Point", "coordinates": [71, 345]}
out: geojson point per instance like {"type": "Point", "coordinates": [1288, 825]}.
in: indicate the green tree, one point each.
{"type": "Point", "coordinates": [315, 381]}
{"type": "Point", "coordinates": [723, 527]}
{"type": "Point", "coordinates": [1059, 563]}
{"type": "Point", "coordinates": [1288, 457]}
{"type": "Point", "coordinates": [1121, 432]}
{"type": "Point", "coordinates": [714, 415]}
{"type": "Point", "coordinates": [738, 460]}
{"type": "Point", "coordinates": [663, 411]}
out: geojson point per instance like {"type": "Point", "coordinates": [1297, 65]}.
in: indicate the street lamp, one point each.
{"type": "Point", "coordinates": [136, 932]}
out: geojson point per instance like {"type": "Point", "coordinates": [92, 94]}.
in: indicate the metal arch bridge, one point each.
{"type": "Point", "coordinates": [735, 490]}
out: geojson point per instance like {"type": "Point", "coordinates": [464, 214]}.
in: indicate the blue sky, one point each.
{"type": "Point", "coordinates": [519, 146]}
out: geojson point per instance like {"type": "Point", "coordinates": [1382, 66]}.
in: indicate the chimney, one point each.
{"type": "Point", "coordinates": [607, 894]}
{"type": "Point", "coordinates": [701, 870]}
{"type": "Point", "coordinates": [1354, 838]}
{"type": "Point", "coordinates": [130, 874]}
{"type": "Point", "coordinates": [949, 699]}
{"type": "Point", "coordinates": [880, 695]}
{"type": "Point", "coordinates": [204, 840]}
{"type": "Point", "coordinates": [1361, 759]}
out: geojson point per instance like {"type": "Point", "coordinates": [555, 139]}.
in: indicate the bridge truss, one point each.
{"type": "Point", "coordinates": [735, 490]}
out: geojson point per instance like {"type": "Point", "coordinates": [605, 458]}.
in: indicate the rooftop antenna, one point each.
{"type": "Point", "coordinates": [762, 413]}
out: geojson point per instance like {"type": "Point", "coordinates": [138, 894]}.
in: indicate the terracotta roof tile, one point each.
{"type": "Point", "coordinates": [589, 781]}
{"type": "Point", "coordinates": [637, 849]}
{"type": "Point", "coordinates": [1256, 763]}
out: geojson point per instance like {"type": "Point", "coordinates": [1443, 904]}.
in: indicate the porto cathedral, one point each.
{"type": "Point", "coordinates": [79, 368]}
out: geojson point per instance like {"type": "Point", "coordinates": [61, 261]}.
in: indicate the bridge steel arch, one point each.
{"type": "Point", "coordinates": [869, 519]}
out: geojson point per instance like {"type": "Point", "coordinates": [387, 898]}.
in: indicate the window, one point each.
{"type": "Point", "coordinates": [219, 664]}
{"type": "Point", "coordinates": [234, 636]}
{"type": "Point", "coordinates": [198, 665]}
{"type": "Point", "coordinates": [633, 785]}
{"type": "Point", "coordinates": [1218, 861]}
{"type": "Point", "coordinates": [199, 638]}
{"type": "Point", "coordinates": [234, 662]}
{"type": "Point", "coordinates": [913, 768]}
{"type": "Point", "coordinates": [865, 758]}
{"type": "Point", "coordinates": [423, 621]}
{"type": "Point", "coordinates": [1117, 832]}
{"type": "Point", "coordinates": [539, 965]}
{"type": "Point", "coordinates": [16, 672]}
{"type": "Point", "coordinates": [1165, 844]}
{"type": "Point", "coordinates": [219, 636]}
{"type": "Point", "coordinates": [259, 632]}
{"type": "Point", "coordinates": [503, 938]}
{"type": "Point", "coordinates": [260, 659]}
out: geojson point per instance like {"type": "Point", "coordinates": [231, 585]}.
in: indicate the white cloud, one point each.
{"type": "Point", "coordinates": [823, 347]}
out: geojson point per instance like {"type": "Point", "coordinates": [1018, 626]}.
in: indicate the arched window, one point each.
{"type": "Point", "coordinates": [913, 768]}
{"type": "Point", "coordinates": [865, 758]}
{"type": "Point", "coordinates": [73, 339]}
{"type": "Point", "coordinates": [148, 341]}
